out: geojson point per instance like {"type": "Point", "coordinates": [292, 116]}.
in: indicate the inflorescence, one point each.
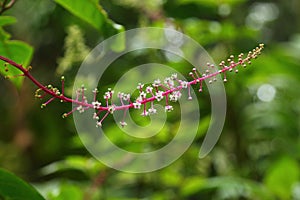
{"type": "Point", "coordinates": [168, 90]}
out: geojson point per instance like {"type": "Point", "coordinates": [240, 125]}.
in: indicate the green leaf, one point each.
{"type": "Point", "coordinates": [17, 51]}
{"type": "Point", "coordinates": [282, 176]}
{"type": "Point", "coordinates": [69, 192]}
{"type": "Point", "coordinates": [88, 11]}
{"type": "Point", "coordinates": [91, 12]}
{"type": "Point", "coordinates": [13, 188]}
{"type": "Point", "coordinates": [20, 53]}
{"type": "Point", "coordinates": [87, 165]}
{"type": "Point", "coordinates": [119, 42]}
{"type": "Point", "coordinates": [7, 20]}
{"type": "Point", "coordinates": [209, 2]}
{"type": "Point", "coordinates": [192, 186]}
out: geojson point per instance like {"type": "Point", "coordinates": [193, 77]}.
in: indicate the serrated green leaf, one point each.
{"type": "Point", "coordinates": [14, 188]}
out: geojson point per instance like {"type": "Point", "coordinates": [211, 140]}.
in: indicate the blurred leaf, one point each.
{"type": "Point", "coordinates": [192, 185]}
{"type": "Point", "coordinates": [69, 192]}
{"type": "Point", "coordinates": [281, 177]}
{"type": "Point", "coordinates": [119, 41]}
{"type": "Point", "coordinates": [210, 2]}
{"type": "Point", "coordinates": [13, 188]}
{"type": "Point", "coordinates": [75, 49]}
{"type": "Point", "coordinates": [235, 188]}
{"type": "Point", "coordinates": [7, 20]}
{"type": "Point", "coordinates": [203, 126]}
{"type": "Point", "coordinates": [171, 177]}
{"type": "Point", "coordinates": [84, 164]}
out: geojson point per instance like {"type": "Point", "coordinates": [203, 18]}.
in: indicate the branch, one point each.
{"type": "Point", "coordinates": [170, 89]}
{"type": "Point", "coordinates": [5, 6]}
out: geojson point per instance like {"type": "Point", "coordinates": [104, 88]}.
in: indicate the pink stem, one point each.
{"type": "Point", "coordinates": [121, 107]}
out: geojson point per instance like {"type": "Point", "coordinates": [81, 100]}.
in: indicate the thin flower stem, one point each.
{"type": "Point", "coordinates": [42, 87]}
{"type": "Point", "coordinates": [121, 107]}
{"type": "Point", "coordinates": [169, 89]}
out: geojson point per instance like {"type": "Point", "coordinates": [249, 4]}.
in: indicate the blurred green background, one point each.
{"type": "Point", "coordinates": [257, 156]}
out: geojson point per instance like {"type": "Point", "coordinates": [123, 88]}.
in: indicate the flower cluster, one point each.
{"type": "Point", "coordinates": [168, 90]}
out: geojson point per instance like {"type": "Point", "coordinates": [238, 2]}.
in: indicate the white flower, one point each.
{"type": "Point", "coordinates": [178, 94]}
{"type": "Point", "coordinates": [156, 83]}
{"type": "Point", "coordinates": [142, 95]}
{"type": "Point", "coordinates": [84, 99]}
{"type": "Point", "coordinates": [174, 76]}
{"type": "Point", "coordinates": [166, 81]}
{"type": "Point", "coordinates": [123, 124]}
{"type": "Point", "coordinates": [95, 90]}
{"type": "Point", "coordinates": [95, 116]}
{"type": "Point", "coordinates": [175, 96]}
{"type": "Point", "coordinates": [83, 88]}
{"type": "Point", "coordinates": [80, 109]}
{"type": "Point", "coordinates": [140, 86]}
{"type": "Point", "coordinates": [96, 104]}
{"type": "Point", "coordinates": [120, 95]}
{"type": "Point", "coordinates": [137, 105]}
{"type": "Point", "coordinates": [184, 84]}
{"type": "Point", "coordinates": [108, 95]}
{"type": "Point", "coordinates": [111, 109]}
{"type": "Point", "coordinates": [169, 82]}
{"type": "Point", "coordinates": [149, 89]}
{"type": "Point", "coordinates": [144, 113]}
{"type": "Point", "coordinates": [98, 124]}
{"type": "Point", "coordinates": [159, 95]}
{"type": "Point", "coordinates": [139, 99]}
{"type": "Point", "coordinates": [152, 110]}
{"type": "Point", "coordinates": [126, 97]}
{"type": "Point", "coordinates": [168, 108]}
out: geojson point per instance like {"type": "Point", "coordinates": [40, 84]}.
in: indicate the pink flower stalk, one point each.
{"type": "Point", "coordinates": [170, 89]}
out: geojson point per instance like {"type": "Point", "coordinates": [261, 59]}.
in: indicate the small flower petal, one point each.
{"type": "Point", "coordinates": [137, 105]}
{"type": "Point", "coordinates": [152, 111]}
{"type": "Point", "coordinates": [168, 108]}
{"type": "Point", "coordinates": [123, 124]}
